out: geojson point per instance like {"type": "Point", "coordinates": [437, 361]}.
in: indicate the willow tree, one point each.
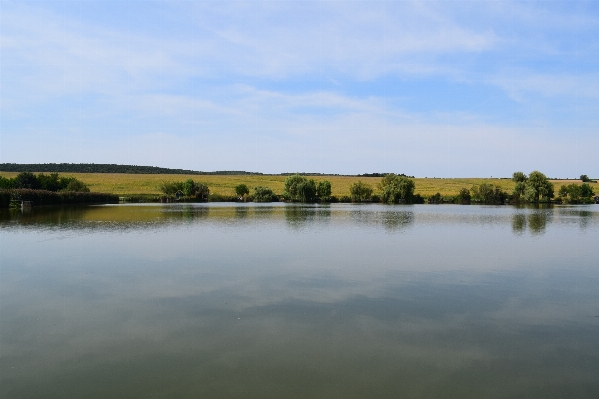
{"type": "Point", "coordinates": [396, 189]}
{"type": "Point", "coordinates": [533, 188]}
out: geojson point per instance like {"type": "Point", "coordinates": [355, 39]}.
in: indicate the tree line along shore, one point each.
{"type": "Point", "coordinates": [391, 188]}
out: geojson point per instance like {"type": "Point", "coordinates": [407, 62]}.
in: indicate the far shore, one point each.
{"type": "Point", "coordinates": [147, 184]}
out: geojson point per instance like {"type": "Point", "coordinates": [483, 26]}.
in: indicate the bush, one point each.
{"type": "Point", "coordinates": [324, 190]}
{"type": "Point", "coordinates": [487, 193]}
{"type": "Point", "coordinates": [345, 199]}
{"type": "Point", "coordinates": [188, 188]}
{"type": "Point", "coordinates": [575, 194]}
{"type": "Point", "coordinates": [463, 197]}
{"type": "Point", "coordinates": [27, 180]}
{"type": "Point", "coordinates": [6, 183]}
{"type": "Point", "coordinates": [170, 188]}
{"type": "Point", "coordinates": [264, 194]}
{"type": "Point", "coordinates": [435, 199]}
{"type": "Point", "coordinates": [77, 186]}
{"type": "Point", "coordinates": [299, 189]}
{"type": "Point", "coordinates": [52, 182]}
{"type": "Point", "coordinates": [396, 189]}
{"type": "Point", "coordinates": [360, 192]}
{"type": "Point", "coordinates": [242, 191]}
{"type": "Point", "coordinates": [417, 199]}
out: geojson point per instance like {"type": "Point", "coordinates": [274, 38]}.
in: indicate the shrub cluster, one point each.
{"type": "Point", "coordinates": [360, 192]}
{"type": "Point", "coordinates": [188, 188]}
{"type": "Point", "coordinates": [486, 193]}
{"type": "Point", "coordinates": [51, 182]}
{"type": "Point", "coordinates": [264, 194]}
{"type": "Point", "coordinates": [301, 189]}
{"type": "Point", "coordinates": [576, 194]}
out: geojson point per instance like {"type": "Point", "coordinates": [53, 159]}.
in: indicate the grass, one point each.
{"type": "Point", "coordinates": [128, 184]}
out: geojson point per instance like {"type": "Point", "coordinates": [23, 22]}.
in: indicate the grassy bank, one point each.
{"type": "Point", "coordinates": [129, 184]}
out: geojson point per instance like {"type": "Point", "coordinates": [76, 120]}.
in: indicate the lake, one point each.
{"type": "Point", "coordinates": [289, 301]}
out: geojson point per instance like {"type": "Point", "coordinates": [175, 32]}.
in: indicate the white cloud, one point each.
{"type": "Point", "coordinates": [522, 83]}
{"type": "Point", "coordinates": [220, 84]}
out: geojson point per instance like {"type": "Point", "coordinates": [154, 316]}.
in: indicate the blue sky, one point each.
{"type": "Point", "coordinates": [429, 88]}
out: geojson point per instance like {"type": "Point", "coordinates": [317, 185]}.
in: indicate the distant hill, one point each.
{"type": "Point", "coordinates": [109, 168]}
{"type": "Point", "coordinates": [382, 175]}
{"type": "Point", "coordinates": [150, 170]}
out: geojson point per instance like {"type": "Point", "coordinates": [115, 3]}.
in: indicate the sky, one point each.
{"type": "Point", "coordinates": [425, 88]}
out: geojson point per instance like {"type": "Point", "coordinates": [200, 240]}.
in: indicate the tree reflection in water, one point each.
{"type": "Point", "coordinates": [518, 223]}
{"type": "Point", "coordinates": [537, 222]}
{"type": "Point", "coordinates": [394, 221]}
{"type": "Point", "coordinates": [298, 216]}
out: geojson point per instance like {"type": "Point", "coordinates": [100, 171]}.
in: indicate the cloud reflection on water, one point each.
{"type": "Point", "coordinates": [299, 301]}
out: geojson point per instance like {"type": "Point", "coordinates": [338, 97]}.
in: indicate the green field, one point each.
{"type": "Point", "coordinates": [128, 184]}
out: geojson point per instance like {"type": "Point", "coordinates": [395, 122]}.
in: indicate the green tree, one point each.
{"type": "Point", "coordinates": [6, 183]}
{"type": "Point", "coordinates": [487, 193]}
{"type": "Point", "coordinates": [586, 191]}
{"type": "Point", "coordinates": [50, 182]}
{"type": "Point", "coordinates": [77, 186]}
{"type": "Point", "coordinates": [463, 197]}
{"type": "Point", "coordinates": [360, 192]}
{"type": "Point", "coordinates": [189, 188]}
{"type": "Point", "coordinates": [170, 188]}
{"type": "Point", "coordinates": [533, 188]}
{"type": "Point", "coordinates": [26, 180]}
{"type": "Point", "coordinates": [396, 189]}
{"type": "Point", "coordinates": [570, 193]}
{"type": "Point", "coordinates": [520, 179]}
{"type": "Point", "coordinates": [263, 194]}
{"type": "Point", "coordinates": [202, 191]}
{"type": "Point", "coordinates": [435, 199]}
{"type": "Point", "coordinates": [538, 188]}
{"type": "Point", "coordinates": [584, 178]}
{"type": "Point", "coordinates": [574, 193]}
{"type": "Point", "coordinates": [299, 188]}
{"type": "Point", "coordinates": [324, 190]}
{"type": "Point", "coordinates": [242, 190]}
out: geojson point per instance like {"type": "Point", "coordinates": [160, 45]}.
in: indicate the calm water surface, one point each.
{"type": "Point", "coordinates": [280, 301]}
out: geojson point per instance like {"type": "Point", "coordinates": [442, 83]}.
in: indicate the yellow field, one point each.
{"type": "Point", "coordinates": [127, 184]}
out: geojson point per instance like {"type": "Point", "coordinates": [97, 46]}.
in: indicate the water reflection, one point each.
{"type": "Point", "coordinates": [188, 212]}
{"type": "Point", "coordinates": [46, 216]}
{"type": "Point", "coordinates": [299, 301]}
{"type": "Point", "coordinates": [537, 222]}
{"type": "Point", "coordinates": [584, 218]}
{"type": "Point", "coordinates": [299, 216]}
{"type": "Point", "coordinates": [394, 221]}
{"type": "Point", "coordinates": [241, 212]}
{"type": "Point", "coordinates": [518, 223]}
